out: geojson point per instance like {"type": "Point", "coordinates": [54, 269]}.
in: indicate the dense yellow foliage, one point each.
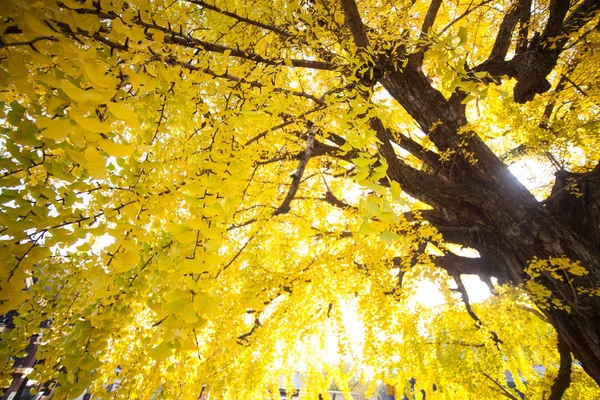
{"type": "Point", "coordinates": [146, 150]}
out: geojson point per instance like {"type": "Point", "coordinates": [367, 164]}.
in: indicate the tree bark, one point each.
{"type": "Point", "coordinates": [517, 227]}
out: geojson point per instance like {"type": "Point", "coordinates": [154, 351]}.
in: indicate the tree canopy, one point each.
{"type": "Point", "coordinates": [209, 196]}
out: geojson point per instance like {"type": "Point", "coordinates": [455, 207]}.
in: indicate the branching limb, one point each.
{"type": "Point", "coordinates": [471, 8]}
{"type": "Point", "coordinates": [503, 390]}
{"type": "Point", "coordinates": [420, 184]}
{"type": "Point", "coordinates": [330, 198]}
{"type": "Point", "coordinates": [233, 78]}
{"type": "Point", "coordinates": [319, 149]}
{"type": "Point", "coordinates": [235, 257]}
{"type": "Point", "coordinates": [284, 124]}
{"type": "Point", "coordinates": [558, 12]}
{"type": "Point", "coordinates": [465, 298]}
{"type": "Point", "coordinates": [244, 340]}
{"type": "Point", "coordinates": [27, 43]}
{"type": "Point", "coordinates": [297, 176]}
{"type": "Point", "coordinates": [524, 17]}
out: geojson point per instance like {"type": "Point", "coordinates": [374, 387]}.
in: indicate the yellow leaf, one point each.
{"type": "Point", "coordinates": [158, 36]}
{"type": "Point", "coordinates": [121, 111]}
{"type": "Point", "coordinates": [96, 76]}
{"type": "Point", "coordinates": [91, 124]}
{"type": "Point", "coordinates": [36, 25]}
{"type": "Point", "coordinates": [49, 79]}
{"type": "Point", "coordinates": [78, 94]}
{"type": "Point", "coordinates": [189, 316]}
{"type": "Point", "coordinates": [96, 164]}
{"type": "Point", "coordinates": [366, 229]}
{"type": "Point", "coordinates": [227, 52]}
{"type": "Point", "coordinates": [388, 237]}
{"type": "Point", "coordinates": [206, 305]}
{"type": "Point", "coordinates": [56, 129]}
{"type": "Point", "coordinates": [77, 156]}
{"type": "Point", "coordinates": [115, 149]}
{"type": "Point", "coordinates": [55, 103]}
{"type": "Point", "coordinates": [395, 189]}
{"type": "Point", "coordinates": [160, 352]}
{"type": "Point", "coordinates": [288, 62]}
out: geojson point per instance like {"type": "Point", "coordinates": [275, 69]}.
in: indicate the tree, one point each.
{"type": "Point", "coordinates": [198, 193]}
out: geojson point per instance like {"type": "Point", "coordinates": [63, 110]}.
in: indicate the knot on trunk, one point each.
{"type": "Point", "coordinates": [531, 69]}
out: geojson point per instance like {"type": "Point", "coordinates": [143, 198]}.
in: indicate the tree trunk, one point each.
{"type": "Point", "coordinates": [507, 225]}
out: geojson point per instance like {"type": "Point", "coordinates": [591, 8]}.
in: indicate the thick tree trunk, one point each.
{"type": "Point", "coordinates": [512, 227]}
{"type": "Point", "coordinates": [475, 190]}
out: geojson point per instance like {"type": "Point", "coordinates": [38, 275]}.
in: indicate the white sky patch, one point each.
{"type": "Point", "coordinates": [536, 176]}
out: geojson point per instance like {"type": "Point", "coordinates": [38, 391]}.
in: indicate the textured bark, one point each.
{"type": "Point", "coordinates": [499, 217]}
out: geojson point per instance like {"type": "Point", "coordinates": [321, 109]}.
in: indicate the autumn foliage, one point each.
{"type": "Point", "coordinates": [208, 197]}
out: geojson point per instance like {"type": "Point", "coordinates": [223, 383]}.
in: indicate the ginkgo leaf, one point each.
{"type": "Point", "coordinates": [95, 163]}
{"type": "Point", "coordinates": [372, 206]}
{"type": "Point", "coordinates": [96, 75]}
{"type": "Point", "coordinates": [160, 352]}
{"type": "Point", "coordinates": [78, 94]}
{"type": "Point", "coordinates": [361, 161]}
{"type": "Point", "coordinates": [188, 315]}
{"type": "Point", "coordinates": [91, 124]}
{"type": "Point", "coordinates": [366, 229]}
{"type": "Point", "coordinates": [121, 111]}
{"type": "Point", "coordinates": [58, 128]}
{"type": "Point", "coordinates": [115, 149]}
{"type": "Point", "coordinates": [158, 36]}
{"type": "Point", "coordinates": [36, 25]}
{"type": "Point", "coordinates": [77, 156]}
{"type": "Point", "coordinates": [395, 189]}
{"type": "Point", "coordinates": [388, 237]}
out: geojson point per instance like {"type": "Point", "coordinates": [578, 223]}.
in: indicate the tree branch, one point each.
{"type": "Point", "coordinates": [504, 35]}
{"type": "Point", "coordinates": [558, 12]}
{"type": "Point", "coordinates": [334, 201]}
{"type": "Point", "coordinates": [354, 23]}
{"type": "Point", "coordinates": [524, 17]}
{"type": "Point", "coordinates": [563, 379]}
{"type": "Point", "coordinates": [283, 124]}
{"type": "Point", "coordinates": [505, 392]}
{"type": "Point", "coordinates": [432, 12]}
{"type": "Point", "coordinates": [297, 176]}
{"type": "Point", "coordinates": [237, 17]}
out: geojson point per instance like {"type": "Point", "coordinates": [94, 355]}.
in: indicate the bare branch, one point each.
{"type": "Point", "coordinates": [237, 254]}
{"type": "Point", "coordinates": [334, 201]}
{"type": "Point", "coordinates": [27, 43]}
{"type": "Point", "coordinates": [524, 17]}
{"type": "Point", "coordinates": [427, 156]}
